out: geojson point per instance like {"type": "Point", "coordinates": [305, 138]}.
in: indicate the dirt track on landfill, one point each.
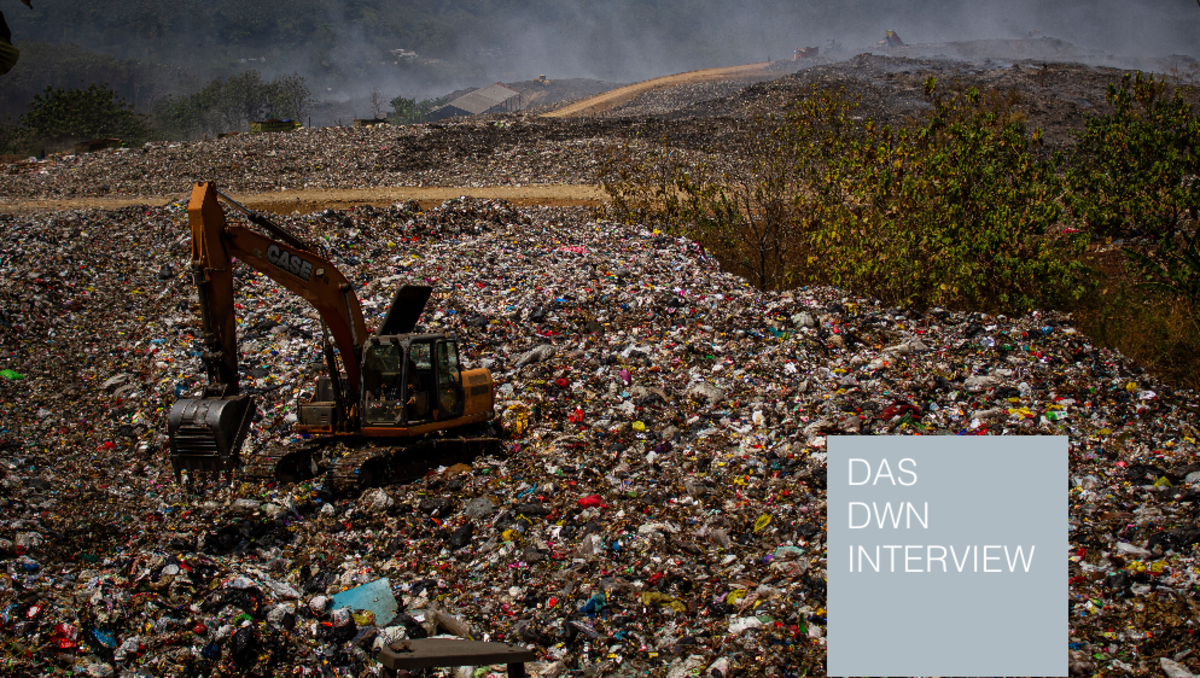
{"type": "Point", "coordinates": [311, 200]}
{"type": "Point", "coordinates": [622, 95]}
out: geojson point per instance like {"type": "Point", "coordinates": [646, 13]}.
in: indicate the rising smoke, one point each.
{"type": "Point", "coordinates": [341, 46]}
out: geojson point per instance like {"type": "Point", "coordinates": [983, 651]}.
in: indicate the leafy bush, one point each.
{"type": "Point", "coordinates": [645, 186]}
{"type": "Point", "coordinates": [1136, 176]}
{"type": "Point", "coordinates": [749, 218]}
{"type": "Point", "coordinates": [1133, 169]}
{"type": "Point", "coordinates": [955, 211]}
{"type": "Point", "coordinates": [64, 114]}
{"type": "Point", "coordinates": [1134, 179]}
{"type": "Point", "coordinates": [1160, 330]}
{"type": "Point", "coordinates": [746, 215]}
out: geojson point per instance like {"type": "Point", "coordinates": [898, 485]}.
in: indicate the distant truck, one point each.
{"type": "Point", "coordinates": [891, 39]}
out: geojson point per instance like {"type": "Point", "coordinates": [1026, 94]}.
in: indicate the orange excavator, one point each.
{"type": "Point", "coordinates": [396, 399]}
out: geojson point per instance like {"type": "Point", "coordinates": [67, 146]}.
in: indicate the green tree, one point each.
{"type": "Point", "coordinates": [98, 111]}
{"type": "Point", "coordinates": [411, 110]}
{"type": "Point", "coordinates": [225, 105]}
{"type": "Point", "coordinates": [178, 117]}
{"type": "Point", "coordinates": [288, 97]}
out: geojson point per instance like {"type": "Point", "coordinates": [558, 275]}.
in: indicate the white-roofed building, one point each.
{"type": "Point", "coordinates": [491, 99]}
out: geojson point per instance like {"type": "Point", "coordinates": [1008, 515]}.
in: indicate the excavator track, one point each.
{"type": "Point", "coordinates": [374, 465]}
{"type": "Point", "coordinates": [283, 464]}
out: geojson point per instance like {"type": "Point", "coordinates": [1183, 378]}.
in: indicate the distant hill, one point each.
{"type": "Point", "coordinates": [348, 48]}
{"type": "Point", "coordinates": [331, 39]}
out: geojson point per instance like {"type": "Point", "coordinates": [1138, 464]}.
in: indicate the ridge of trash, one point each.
{"type": "Point", "coordinates": [658, 509]}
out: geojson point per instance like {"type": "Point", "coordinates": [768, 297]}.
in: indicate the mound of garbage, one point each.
{"type": "Point", "coordinates": [659, 505]}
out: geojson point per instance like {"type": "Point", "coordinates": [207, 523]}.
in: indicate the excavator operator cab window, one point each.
{"type": "Point", "coordinates": [382, 385]}
{"type": "Point", "coordinates": [418, 387]}
{"type": "Point", "coordinates": [450, 391]}
{"type": "Point", "coordinates": [419, 380]}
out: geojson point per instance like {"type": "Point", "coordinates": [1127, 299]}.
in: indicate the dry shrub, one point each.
{"type": "Point", "coordinates": [1160, 331]}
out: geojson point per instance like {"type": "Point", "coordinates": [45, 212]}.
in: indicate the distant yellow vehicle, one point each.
{"type": "Point", "coordinates": [891, 39]}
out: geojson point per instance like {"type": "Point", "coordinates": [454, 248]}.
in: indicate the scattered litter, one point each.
{"type": "Point", "coordinates": [660, 502]}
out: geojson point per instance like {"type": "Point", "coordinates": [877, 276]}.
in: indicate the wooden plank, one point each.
{"type": "Point", "coordinates": [428, 653]}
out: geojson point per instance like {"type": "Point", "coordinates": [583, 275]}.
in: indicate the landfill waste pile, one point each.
{"type": "Point", "coordinates": [658, 508]}
{"type": "Point", "coordinates": [539, 96]}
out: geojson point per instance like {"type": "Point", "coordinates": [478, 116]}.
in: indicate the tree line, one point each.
{"type": "Point", "coordinates": [231, 104]}
{"type": "Point", "coordinates": [58, 116]}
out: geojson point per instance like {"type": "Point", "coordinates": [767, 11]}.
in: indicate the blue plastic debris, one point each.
{"type": "Point", "coordinates": [594, 605]}
{"type": "Point", "coordinates": [375, 596]}
{"type": "Point", "coordinates": [105, 638]}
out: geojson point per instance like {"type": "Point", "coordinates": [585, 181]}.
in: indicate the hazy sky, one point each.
{"type": "Point", "coordinates": [617, 40]}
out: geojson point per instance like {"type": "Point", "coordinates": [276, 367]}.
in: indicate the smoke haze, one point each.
{"type": "Point", "coordinates": [342, 46]}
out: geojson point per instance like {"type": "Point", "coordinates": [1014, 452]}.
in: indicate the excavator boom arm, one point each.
{"type": "Point", "coordinates": [317, 281]}
{"type": "Point", "coordinates": [206, 434]}
{"type": "Point", "coordinates": [306, 274]}
{"type": "Point", "coordinates": [213, 274]}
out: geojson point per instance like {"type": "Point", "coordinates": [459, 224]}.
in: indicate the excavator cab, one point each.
{"type": "Point", "coordinates": [412, 384]}
{"type": "Point", "coordinates": [450, 392]}
{"type": "Point", "coordinates": [411, 380]}
{"type": "Point", "coordinates": [383, 384]}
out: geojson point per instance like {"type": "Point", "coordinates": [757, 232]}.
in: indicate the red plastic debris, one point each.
{"type": "Point", "coordinates": [592, 500]}
{"type": "Point", "coordinates": [64, 636]}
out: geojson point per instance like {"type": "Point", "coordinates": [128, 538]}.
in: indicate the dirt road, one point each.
{"type": "Point", "coordinates": [310, 200]}
{"type": "Point", "coordinates": [621, 95]}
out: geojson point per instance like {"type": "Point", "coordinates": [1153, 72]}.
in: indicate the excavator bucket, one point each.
{"type": "Point", "coordinates": [206, 434]}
